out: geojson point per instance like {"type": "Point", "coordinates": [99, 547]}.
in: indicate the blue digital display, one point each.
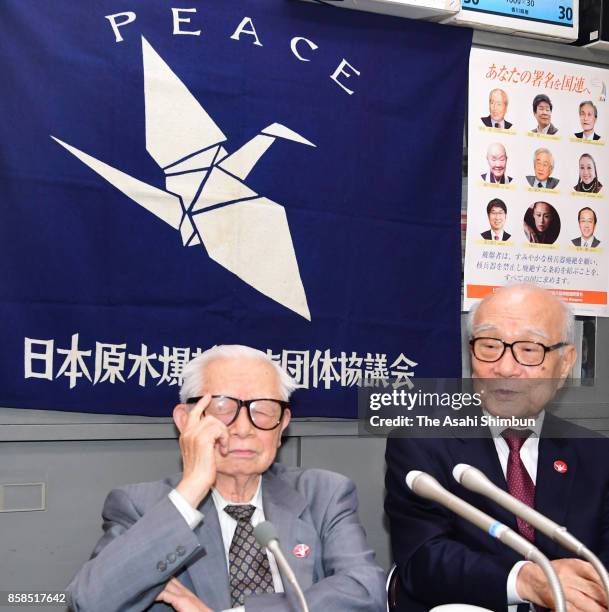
{"type": "Point", "coordinates": [557, 12]}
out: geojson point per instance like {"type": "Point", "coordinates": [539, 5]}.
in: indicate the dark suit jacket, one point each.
{"type": "Point", "coordinates": [489, 122]}
{"type": "Point", "coordinates": [551, 182]}
{"type": "Point", "coordinates": [487, 178]}
{"type": "Point", "coordinates": [489, 236]}
{"type": "Point", "coordinates": [578, 242]}
{"type": "Point", "coordinates": [147, 541]}
{"type": "Point", "coordinates": [581, 135]}
{"type": "Point", "coordinates": [443, 559]}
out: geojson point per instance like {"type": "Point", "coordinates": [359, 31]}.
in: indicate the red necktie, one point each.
{"type": "Point", "coordinates": [519, 482]}
{"type": "Point", "coordinates": [496, 237]}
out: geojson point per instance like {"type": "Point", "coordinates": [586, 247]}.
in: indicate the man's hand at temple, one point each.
{"type": "Point", "coordinates": [201, 437]}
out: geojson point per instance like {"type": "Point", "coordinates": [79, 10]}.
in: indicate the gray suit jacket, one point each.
{"type": "Point", "coordinates": [551, 130]}
{"type": "Point", "coordinates": [147, 541]}
{"type": "Point", "coordinates": [551, 182]}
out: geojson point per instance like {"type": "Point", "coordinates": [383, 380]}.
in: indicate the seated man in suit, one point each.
{"type": "Point", "coordinates": [497, 212]}
{"type": "Point", "coordinates": [543, 163]}
{"type": "Point", "coordinates": [542, 109]}
{"type": "Point", "coordinates": [520, 334]}
{"type": "Point", "coordinates": [588, 114]}
{"type": "Point", "coordinates": [187, 540]}
{"type": "Point", "coordinates": [497, 106]}
{"type": "Point", "coordinates": [586, 218]}
{"type": "Point", "coordinates": [496, 156]}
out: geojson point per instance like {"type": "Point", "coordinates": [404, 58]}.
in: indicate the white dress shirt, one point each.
{"type": "Point", "coordinates": [529, 453]}
{"type": "Point", "coordinates": [228, 525]}
{"type": "Point", "coordinates": [587, 242]}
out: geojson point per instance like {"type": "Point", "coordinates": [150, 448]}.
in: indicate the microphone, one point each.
{"type": "Point", "coordinates": [266, 535]}
{"type": "Point", "coordinates": [428, 487]}
{"type": "Point", "coordinates": [475, 480]}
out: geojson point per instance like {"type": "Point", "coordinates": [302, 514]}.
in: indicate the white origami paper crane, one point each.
{"type": "Point", "coordinates": [206, 198]}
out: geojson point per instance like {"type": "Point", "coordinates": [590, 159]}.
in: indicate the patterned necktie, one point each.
{"type": "Point", "coordinates": [519, 482]}
{"type": "Point", "coordinates": [249, 568]}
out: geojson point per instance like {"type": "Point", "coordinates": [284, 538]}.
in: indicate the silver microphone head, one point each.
{"type": "Point", "coordinates": [458, 471]}
{"type": "Point", "coordinates": [411, 477]}
{"type": "Point", "coordinates": [265, 532]}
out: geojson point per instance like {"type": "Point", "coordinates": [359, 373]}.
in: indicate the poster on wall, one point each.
{"type": "Point", "coordinates": [538, 178]}
{"type": "Point", "coordinates": [235, 172]}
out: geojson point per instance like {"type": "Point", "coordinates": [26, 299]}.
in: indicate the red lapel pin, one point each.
{"type": "Point", "coordinates": [560, 466]}
{"type": "Point", "coordinates": [301, 551]}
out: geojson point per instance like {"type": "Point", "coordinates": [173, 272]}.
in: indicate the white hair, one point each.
{"type": "Point", "coordinates": [568, 331]}
{"type": "Point", "coordinates": [503, 95]}
{"type": "Point", "coordinates": [547, 152]}
{"type": "Point", "coordinates": [193, 374]}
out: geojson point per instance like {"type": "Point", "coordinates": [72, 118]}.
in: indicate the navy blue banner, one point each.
{"type": "Point", "coordinates": [266, 172]}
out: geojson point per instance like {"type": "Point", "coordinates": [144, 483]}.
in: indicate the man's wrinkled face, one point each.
{"type": "Point", "coordinates": [497, 106]}
{"type": "Point", "coordinates": [496, 218]}
{"type": "Point", "coordinates": [520, 314]}
{"type": "Point", "coordinates": [586, 223]}
{"type": "Point", "coordinates": [587, 118]}
{"type": "Point", "coordinates": [250, 450]}
{"type": "Point", "coordinates": [543, 166]}
{"type": "Point", "coordinates": [543, 114]}
{"type": "Point", "coordinates": [497, 160]}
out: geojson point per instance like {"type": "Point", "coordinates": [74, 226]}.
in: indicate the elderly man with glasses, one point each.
{"type": "Point", "coordinates": [187, 541]}
{"type": "Point", "coordinates": [521, 342]}
{"type": "Point", "coordinates": [543, 165]}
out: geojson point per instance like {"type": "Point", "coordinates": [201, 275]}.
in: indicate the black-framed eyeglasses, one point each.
{"type": "Point", "coordinates": [263, 413]}
{"type": "Point", "coordinates": [526, 353]}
